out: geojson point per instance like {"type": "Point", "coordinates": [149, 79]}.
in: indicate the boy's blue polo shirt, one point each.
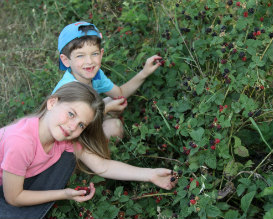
{"type": "Point", "coordinates": [100, 82]}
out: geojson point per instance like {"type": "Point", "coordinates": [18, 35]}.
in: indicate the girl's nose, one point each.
{"type": "Point", "coordinates": [73, 125]}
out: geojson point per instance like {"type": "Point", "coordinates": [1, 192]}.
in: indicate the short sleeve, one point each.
{"type": "Point", "coordinates": [102, 84]}
{"type": "Point", "coordinates": [68, 77]}
{"type": "Point", "coordinates": [18, 155]}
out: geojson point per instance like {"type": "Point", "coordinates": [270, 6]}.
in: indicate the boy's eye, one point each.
{"type": "Point", "coordinates": [71, 115]}
{"type": "Point", "coordinates": [95, 54]}
{"type": "Point", "coordinates": [78, 56]}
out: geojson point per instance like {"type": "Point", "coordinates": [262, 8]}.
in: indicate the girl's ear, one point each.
{"type": "Point", "coordinates": [65, 60]}
{"type": "Point", "coordinates": [51, 102]}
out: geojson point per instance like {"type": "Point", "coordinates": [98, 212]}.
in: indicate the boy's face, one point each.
{"type": "Point", "coordinates": [84, 62]}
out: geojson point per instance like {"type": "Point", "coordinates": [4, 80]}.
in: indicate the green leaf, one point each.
{"type": "Point", "coordinates": [213, 211]}
{"type": "Point", "coordinates": [269, 214]}
{"type": "Point", "coordinates": [197, 134]}
{"type": "Point", "coordinates": [246, 200]}
{"type": "Point", "coordinates": [232, 214]}
{"type": "Point", "coordinates": [231, 168]}
{"type": "Point", "coordinates": [210, 160]}
{"type": "Point", "coordinates": [241, 151]}
{"type": "Point", "coordinates": [267, 191]}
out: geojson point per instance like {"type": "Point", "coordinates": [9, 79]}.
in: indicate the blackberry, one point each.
{"type": "Point", "coordinates": [250, 114]}
{"type": "Point", "coordinates": [172, 179]}
{"type": "Point", "coordinates": [189, 88]}
{"type": "Point", "coordinates": [251, 10]}
{"type": "Point", "coordinates": [223, 50]}
{"type": "Point", "coordinates": [177, 5]}
{"type": "Point", "coordinates": [194, 93]}
{"type": "Point", "coordinates": [226, 70]}
{"type": "Point", "coordinates": [256, 29]}
{"type": "Point", "coordinates": [230, 2]}
{"type": "Point", "coordinates": [223, 28]}
{"type": "Point", "coordinates": [179, 173]}
{"type": "Point", "coordinates": [262, 30]}
{"type": "Point", "coordinates": [258, 112]}
{"type": "Point", "coordinates": [241, 54]}
{"type": "Point", "coordinates": [214, 34]}
{"type": "Point", "coordinates": [187, 17]}
{"type": "Point", "coordinates": [270, 35]}
{"type": "Point", "coordinates": [185, 83]}
{"type": "Point", "coordinates": [183, 12]}
{"type": "Point", "coordinates": [250, 35]}
{"type": "Point", "coordinates": [230, 45]}
{"type": "Point", "coordinates": [208, 30]}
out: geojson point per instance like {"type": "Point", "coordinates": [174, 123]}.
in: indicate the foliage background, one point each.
{"type": "Point", "coordinates": [206, 113]}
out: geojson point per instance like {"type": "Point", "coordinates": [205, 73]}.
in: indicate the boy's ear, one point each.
{"type": "Point", "coordinates": [65, 60]}
{"type": "Point", "coordinates": [101, 52]}
{"type": "Point", "coordinates": [51, 102]}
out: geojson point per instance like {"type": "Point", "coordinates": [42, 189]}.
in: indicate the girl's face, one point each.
{"type": "Point", "coordinates": [84, 62]}
{"type": "Point", "coordinates": [67, 120]}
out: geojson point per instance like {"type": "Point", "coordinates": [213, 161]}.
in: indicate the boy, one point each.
{"type": "Point", "coordinates": [80, 50]}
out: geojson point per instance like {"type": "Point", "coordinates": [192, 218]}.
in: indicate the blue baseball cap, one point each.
{"type": "Point", "coordinates": [73, 31]}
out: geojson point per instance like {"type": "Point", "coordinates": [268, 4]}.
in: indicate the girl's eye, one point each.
{"type": "Point", "coordinates": [71, 115]}
{"type": "Point", "coordinates": [79, 56]}
{"type": "Point", "coordinates": [95, 54]}
{"type": "Point", "coordinates": [82, 126]}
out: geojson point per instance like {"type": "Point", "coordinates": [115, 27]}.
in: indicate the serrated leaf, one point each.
{"type": "Point", "coordinates": [210, 160]}
{"type": "Point", "coordinates": [231, 214]}
{"type": "Point", "coordinates": [213, 211]}
{"type": "Point", "coordinates": [246, 200]}
{"type": "Point", "coordinates": [269, 214]}
{"type": "Point", "coordinates": [241, 151]}
{"type": "Point", "coordinates": [197, 134]}
{"type": "Point", "coordinates": [267, 191]}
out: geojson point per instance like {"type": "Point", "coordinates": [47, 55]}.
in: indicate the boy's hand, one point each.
{"type": "Point", "coordinates": [162, 178]}
{"type": "Point", "coordinates": [151, 65]}
{"type": "Point", "coordinates": [117, 104]}
{"type": "Point", "coordinates": [80, 195]}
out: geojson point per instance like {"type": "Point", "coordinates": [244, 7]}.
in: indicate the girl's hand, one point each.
{"type": "Point", "coordinates": [162, 178]}
{"type": "Point", "coordinates": [79, 195]}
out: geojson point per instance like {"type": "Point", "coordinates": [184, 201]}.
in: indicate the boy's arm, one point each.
{"type": "Point", "coordinates": [120, 171]}
{"type": "Point", "coordinates": [127, 89]}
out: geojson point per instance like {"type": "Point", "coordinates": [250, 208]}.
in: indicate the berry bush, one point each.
{"type": "Point", "coordinates": [206, 113]}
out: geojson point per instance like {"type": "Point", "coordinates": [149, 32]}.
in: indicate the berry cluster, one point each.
{"type": "Point", "coordinates": [175, 175]}
{"type": "Point", "coordinates": [87, 189]}
{"type": "Point", "coordinates": [215, 124]}
{"type": "Point", "coordinates": [85, 213]}
{"type": "Point", "coordinates": [121, 97]}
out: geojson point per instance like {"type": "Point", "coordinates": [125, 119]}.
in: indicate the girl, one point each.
{"type": "Point", "coordinates": [37, 154]}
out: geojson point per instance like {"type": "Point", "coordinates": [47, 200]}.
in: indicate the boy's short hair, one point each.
{"type": "Point", "coordinates": [73, 36]}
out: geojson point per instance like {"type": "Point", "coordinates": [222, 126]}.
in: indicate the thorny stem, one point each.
{"type": "Point", "coordinates": [266, 49]}
{"type": "Point", "coordinates": [261, 163]}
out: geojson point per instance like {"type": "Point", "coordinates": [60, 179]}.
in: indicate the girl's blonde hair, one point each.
{"type": "Point", "coordinates": [92, 139]}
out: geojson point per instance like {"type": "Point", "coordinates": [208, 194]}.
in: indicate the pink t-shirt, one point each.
{"type": "Point", "coordinates": [21, 152]}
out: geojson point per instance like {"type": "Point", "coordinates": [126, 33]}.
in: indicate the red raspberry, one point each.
{"type": "Point", "coordinates": [197, 183]}
{"type": "Point", "coordinates": [269, 4]}
{"type": "Point", "coordinates": [258, 32]}
{"type": "Point", "coordinates": [244, 59]}
{"type": "Point", "coordinates": [213, 147]}
{"type": "Point", "coordinates": [238, 4]}
{"type": "Point", "coordinates": [217, 141]}
{"type": "Point", "coordinates": [261, 19]}
{"type": "Point", "coordinates": [175, 192]}
{"type": "Point", "coordinates": [193, 202]}
{"type": "Point", "coordinates": [261, 87]}
{"type": "Point", "coordinates": [245, 14]}
{"type": "Point", "coordinates": [191, 179]}
{"type": "Point", "coordinates": [125, 193]}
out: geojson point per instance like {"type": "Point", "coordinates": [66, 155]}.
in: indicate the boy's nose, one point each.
{"type": "Point", "coordinates": [88, 59]}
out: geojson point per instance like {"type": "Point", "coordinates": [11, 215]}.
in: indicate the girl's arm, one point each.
{"type": "Point", "coordinates": [120, 171]}
{"type": "Point", "coordinates": [15, 194]}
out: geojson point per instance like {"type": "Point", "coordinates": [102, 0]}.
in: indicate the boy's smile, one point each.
{"type": "Point", "coordinates": [84, 62]}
